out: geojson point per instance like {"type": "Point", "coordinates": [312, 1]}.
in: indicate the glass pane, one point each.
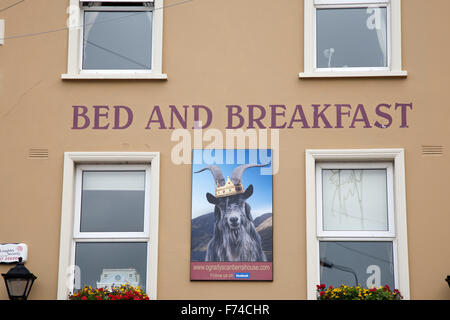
{"type": "Point", "coordinates": [113, 201]}
{"type": "Point", "coordinates": [117, 40]}
{"type": "Point", "coordinates": [366, 263]}
{"type": "Point", "coordinates": [104, 264]}
{"type": "Point", "coordinates": [352, 37]}
{"type": "Point", "coordinates": [354, 200]}
{"type": "Point", "coordinates": [17, 287]}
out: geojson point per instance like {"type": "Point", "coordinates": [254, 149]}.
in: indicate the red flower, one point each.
{"type": "Point", "coordinates": [387, 288]}
{"type": "Point", "coordinates": [372, 289]}
{"type": "Point", "coordinates": [83, 298]}
{"type": "Point", "coordinates": [322, 293]}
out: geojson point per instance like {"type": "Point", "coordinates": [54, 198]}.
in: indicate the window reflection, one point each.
{"type": "Point", "coordinates": [117, 40]}
{"type": "Point", "coordinates": [108, 263]}
{"type": "Point", "coordinates": [367, 263]}
{"type": "Point", "coordinates": [352, 37]}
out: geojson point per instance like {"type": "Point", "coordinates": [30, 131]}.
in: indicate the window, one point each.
{"type": "Point", "coordinates": [352, 38]}
{"type": "Point", "coordinates": [2, 32]}
{"type": "Point", "coordinates": [115, 39]}
{"type": "Point", "coordinates": [109, 233]}
{"type": "Point", "coordinates": [356, 219]}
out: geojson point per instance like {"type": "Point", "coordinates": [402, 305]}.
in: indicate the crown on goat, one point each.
{"type": "Point", "coordinates": [233, 185]}
{"type": "Point", "coordinates": [228, 189]}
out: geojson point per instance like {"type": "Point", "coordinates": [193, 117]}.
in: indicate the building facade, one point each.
{"type": "Point", "coordinates": [102, 104]}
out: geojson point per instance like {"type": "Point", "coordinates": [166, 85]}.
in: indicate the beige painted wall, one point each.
{"type": "Point", "coordinates": [217, 53]}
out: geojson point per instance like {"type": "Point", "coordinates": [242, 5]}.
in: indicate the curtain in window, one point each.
{"type": "Point", "coordinates": [378, 21]}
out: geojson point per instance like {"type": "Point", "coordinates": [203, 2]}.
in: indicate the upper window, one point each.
{"type": "Point", "coordinates": [115, 39]}
{"type": "Point", "coordinates": [355, 199]}
{"type": "Point", "coordinates": [352, 38]}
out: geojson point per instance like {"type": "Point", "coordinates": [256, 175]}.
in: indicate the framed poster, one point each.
{"type": "Point", "coordinates": [231, 225]}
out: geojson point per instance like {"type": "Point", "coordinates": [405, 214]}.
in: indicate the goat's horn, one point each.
{"type": "Point", "coordinates": [217, 174]}
{"type": "Point", "coordinates": [239, 171]}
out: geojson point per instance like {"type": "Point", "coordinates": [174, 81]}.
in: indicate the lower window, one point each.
{"type": "Point", "coordinates": [106, 264]}
{"type": "Point", "coordinates": [353, 263]}
{"type": "Point", "coordinates": [109, 223]}
{"type": "Point", "coordinates": [355, 223]}
{"type": "Point", "coordinates": [111, 232]}
{"type": "Point", "coordinates": [356, 219]}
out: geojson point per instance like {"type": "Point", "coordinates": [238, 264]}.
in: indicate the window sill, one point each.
{"type": "Point", "coordinates": [353, 74]}
{"type": "Point", "coordinates": [114, 76]}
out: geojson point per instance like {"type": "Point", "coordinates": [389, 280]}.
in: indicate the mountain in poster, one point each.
{"type": "Point", "coordinates": [202, 231]}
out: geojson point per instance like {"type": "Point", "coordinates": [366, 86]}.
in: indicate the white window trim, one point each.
{"type": "Point", "coordinates": [400, 242]}
{"type": "Point", "coordinates": [74, 64]}
{"type": "Point", "coordinates": [394, 41]}
{"type": "Point", "coordinates": [69, 216]}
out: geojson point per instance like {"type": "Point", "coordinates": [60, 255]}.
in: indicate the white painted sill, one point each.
{"type": "Point", "coordinates": [114, 76]}
{"type": "Point", "coordinates": [353, 74]}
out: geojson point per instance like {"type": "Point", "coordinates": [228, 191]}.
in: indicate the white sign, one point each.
{"type": "Point", "coordinates": [11, 252]}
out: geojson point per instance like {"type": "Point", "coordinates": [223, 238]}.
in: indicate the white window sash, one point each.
{"type": "Point", "coordinates": [394, 257]}
{"type": "Point", "coordinates": [77, 234]}
{"type": "Point", "coordinates": [323, 234]}
{"type": "Point", "coordinates": [353, 4]}
{"type": "Point", "coordinates": [113, 71]}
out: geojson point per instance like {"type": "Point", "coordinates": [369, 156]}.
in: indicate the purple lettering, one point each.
{"type": "Point", "coordinates": [320, 115]}
{"type": "Point", "coordinates": [197, 109]}
{"type": "Point", "coordinates": [98, 115]}
{"type": "Point", "coordinates": [383, 115]}
{"type": "Point", "coordinates": [252, 119]}
{"type": "Point", "coordinates": [159, 119]}
{"type": "Point", "coordinates": [340, 113]}
{"type": "Point", "coordinates": [174, 111]}
{"type": "Point", "coordinates": [365, 119]}
{"type": "Point", "coordinates": [232, 114]}
{"type": "Point", "coordinates": [77, 114]}
{"type": "Point", "coordinates": [302, 119]}
{"type": "Point", "coordinates": [274, 108]}
{"type": "Point", "coordinates": [404, 107]}
{"type": "Point", "coordinates": [117, 117]}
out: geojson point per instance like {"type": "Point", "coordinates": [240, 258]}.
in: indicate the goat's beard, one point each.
{"type": "Point", "coordinates": [235, 234]}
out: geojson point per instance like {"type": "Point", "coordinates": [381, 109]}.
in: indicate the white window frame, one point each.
{"type": "Point", "coordinates": [314, 160]}
{"type": "Point", "coordinates": [74, 164]}
{"type": "Point", "coordinates": [394, 39]}
{"type": "Point", "coordinates": [75, 45]}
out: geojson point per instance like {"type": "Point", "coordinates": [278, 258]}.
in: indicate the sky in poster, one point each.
{"type": "Point", "coordinates": [203, 182]}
